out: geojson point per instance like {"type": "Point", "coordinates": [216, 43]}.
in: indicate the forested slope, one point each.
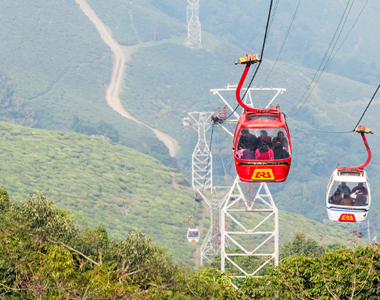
{"type": "Point", "coordinates": [45, 255]}
{"type": "Point", "coordinates": [102, 181]}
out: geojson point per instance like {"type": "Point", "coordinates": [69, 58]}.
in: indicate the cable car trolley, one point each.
{"type": "Point", "coordinates": [192, 233]}
{"type": "Point", "coordinates": [348, 197]}
{"type": "Point", "coordinates": [261, 144]}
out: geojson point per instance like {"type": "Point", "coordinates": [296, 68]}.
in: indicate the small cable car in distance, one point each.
{"type": "Point", "coordinates": [186, 121]}
{"type": "Point", "coordinates": [192, 233]}
{"type": "Point", "coordinates": [348, 197]}
{"type": "Point", "coordinates": [262, 147]}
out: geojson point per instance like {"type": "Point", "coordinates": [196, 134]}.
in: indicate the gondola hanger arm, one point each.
{"type": "Point", "coordinates": [248, 60]}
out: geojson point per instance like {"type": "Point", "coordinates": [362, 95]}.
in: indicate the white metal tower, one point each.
{"type": "Point", "coordinates": [193, 25]}
{"type": "Point", "coordinates": [212, 241]}
{"type": "Point", "coordinates": [203, 185]}
{"type": "Point", "coordinates": [252, 229]}
{"type": "Point", "coordinates": [202, 157]}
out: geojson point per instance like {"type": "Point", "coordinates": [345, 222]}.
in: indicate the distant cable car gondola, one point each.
{"type": "Point", "coordinates": [348, 197]}
{"type": "Point", "coordinates": [186, 121]}
{"type": "Point", "coordinates": [192, 233]}
{"type": "Point", "coordinates": [262, 147]}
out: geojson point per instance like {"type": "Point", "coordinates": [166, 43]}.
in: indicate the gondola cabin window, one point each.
{"type": "Point", "coordinates": [262, 144]}
{"type": "Point", "coordinates": [348, 194]}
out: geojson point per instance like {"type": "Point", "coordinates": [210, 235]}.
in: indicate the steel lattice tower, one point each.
{"type": "Point", "coordinates": [248, 224]}
{"type": "Point", "coordinates": [193, 25]}
{"type": "Point", "coordinates": [203, 185]}
{"type": "Point", "coordinates": [202, 157]}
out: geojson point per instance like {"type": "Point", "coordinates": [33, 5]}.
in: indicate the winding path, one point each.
{"type": "Point", "coordinates": [122, 54]}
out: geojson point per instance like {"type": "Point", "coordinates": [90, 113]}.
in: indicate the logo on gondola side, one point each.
{"type": "Point", "coordinates": [347, 218]}
{"type": "Point", "coordinates": [263, 174]}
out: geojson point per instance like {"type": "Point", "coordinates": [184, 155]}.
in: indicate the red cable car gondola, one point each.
{"type": "Point", "coordinates": [262, 147]}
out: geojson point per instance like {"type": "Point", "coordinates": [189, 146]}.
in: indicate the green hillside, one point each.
{"type": "Point", "coordinates": [57, 68]}
{"type": "Point", "coordinates": [105, 182]}
{"type": "Point", "coordinates": [101, 181]}
{"type": "Point", "coordinates": [55, 65]}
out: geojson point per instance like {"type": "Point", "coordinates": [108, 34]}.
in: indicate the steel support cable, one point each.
{"type": "Point", "coordinates": [352, 27]}
{"type": "Point", "coordinates": [283, 44]}
{"type": "Point", "coordinates": [369, 103]}
{"type": "Point", "coordinates": [261, 56]}
{"type": "Point", "coordinates": [328, 60]}
{"type": "Point", "coordinates": [367, 106]}
{"type": "Point", "coordinates": [323, 59]}
{"type": "Point", "coordinates": [273, 15]}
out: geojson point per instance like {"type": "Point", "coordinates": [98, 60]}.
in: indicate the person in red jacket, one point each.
{"type": "Point", "coordinates": [264, 152]}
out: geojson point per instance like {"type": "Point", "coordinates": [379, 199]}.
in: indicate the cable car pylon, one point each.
{"type": "Point", "coordinates": [202, 184]}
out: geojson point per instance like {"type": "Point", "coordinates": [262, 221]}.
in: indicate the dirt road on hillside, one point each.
{"type": "Point", "coordinates": [122, 54]}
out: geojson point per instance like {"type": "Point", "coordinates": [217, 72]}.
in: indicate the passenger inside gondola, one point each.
{"type": "Point", "coordinates": [336, 198]}
{"type": "Point", "coordinates": [360, 184]}
{"type": "Point", "coordinates": [280, 151]}
{"type": "Point", "coordinates": [264, 138]}
{"type": "Point", "coordinates": [193, 233]}
{"type": "Point", "coordinates": [244, 152]}
{"type": "Point", "coordinates": [360, 199]}
{"type": "Point", "coordinates": [282, 139]}
{"type": "Point", "coordinates": [347, 200]}
{"type": "Point", "coordinates": [264, 152]}
{"type": "Point", "coordinates": [343, 188]}
{"type": "Point", "coordinates": [248, 139]}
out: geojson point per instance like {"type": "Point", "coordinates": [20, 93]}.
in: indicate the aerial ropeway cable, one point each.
{"type": "Point", "coordinates": [329, 54]}
{"type": "Point", "coordinates": [261, 56]}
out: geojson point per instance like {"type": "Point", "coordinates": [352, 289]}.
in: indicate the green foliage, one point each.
{"type": "Point", "coordinates": [344, 274]}
{"type": "Point", "coordinates": [102, 128]}
{"type": "Point", "coordinates": [14, 107]}
{"type": "Point", "coordinates": [4, 199]}
{"type": "Point", "coordinates": [300, 245]}
{"type": "Point", "coordinates": [67, 263]}
{"type": "Point", "coordinates": [43, 219]}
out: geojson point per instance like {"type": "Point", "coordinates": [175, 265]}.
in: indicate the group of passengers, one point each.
{"type": "Point", "coordinates": [193, 234]}
{"type": "Point", "coordinates": [358, 196]}
{"type": "Point", "coordinates": [262, 147]}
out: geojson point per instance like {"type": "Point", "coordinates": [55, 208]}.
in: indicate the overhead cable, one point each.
{"type": "Point", "coordinates": [261, 56]}
{"type": "Point", "coordinates": [283, 44]}
{"type": "Point", "coordinates": [326, 57]}
{"type": "Point", "coordinates": [367, 106]}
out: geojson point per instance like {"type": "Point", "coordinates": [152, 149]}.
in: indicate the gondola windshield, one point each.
{"type": "Point", "coordinates": [263, 144]}
{"type": "Point", "coordinates": [349, 194]}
